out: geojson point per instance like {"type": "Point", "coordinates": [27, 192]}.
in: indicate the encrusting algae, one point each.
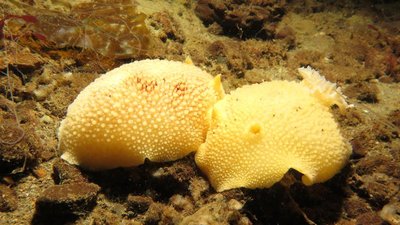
{"type": "Point", "coordinates": [162, 110]}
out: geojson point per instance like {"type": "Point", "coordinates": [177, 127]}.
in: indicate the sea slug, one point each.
{"type": "Point", "coordinates": [155, 109]}
{"type": "Point", "coordinates": [258, 132]}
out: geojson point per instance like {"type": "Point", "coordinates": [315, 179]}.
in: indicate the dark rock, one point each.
{"type": "Point", "coordinates": [65, 173]}
{"type": "Point", "coordinates": [355, 207]}
{"type": "Point", "coordinates": [368, 97]}
{"type": "Point", "coordinates": [382, 133]}
{"type": "Point", "coordinates": [269, 212]}
{"type": "Point", "coordinates": [210, 11]}
{"type": "Point", "coordinates": [47, 154]}
{"type": "Point", "coordinates": [19, 143]}
{"type": "Point", "coordinates": [220, 211]}
{"type": "Point", "coordinates": [76, 198]}
{"type": "Point", "coordinates": [318, 199]}
{"type": "Point", "coordinates": [174, 178]}
{"type": "Point", "coordinates": [359, 146]}
{"type": "Point", "coordinates": [363, 91]}
{"type": "Point", "coordinates": [372, 164]}
{"type": "Point", "coordinates": [167, 26]}
{"type": "Point", "coordinates": [139, 204]}
{"type": "Point", "coordinates": [243, 19]}
{"type": "Point", "coordinates": [217, 49]}
{"type": "Point", "coordinates": [8, 199]}
{"type": "Point", "coordinates": [13, 157]}
{"type": "Point", "coordinates": [383, 138]}
{"type": "Point", "coordinates": [24, 60]}
{"type": "Point", "coordinates": [394, 117]}
{"type": "Point", "coordinates": [378, 188]}
{"type": "Point", "coordinates": [369, 218]}
{"type": "Point", "coordinates": [380, 164]}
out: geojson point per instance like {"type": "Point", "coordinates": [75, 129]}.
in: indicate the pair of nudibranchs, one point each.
{"type": "Point", "coordinates": [162, 110]}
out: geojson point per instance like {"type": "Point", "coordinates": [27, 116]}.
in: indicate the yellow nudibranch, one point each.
{"type": "Point", "coordinates": [155, 109]}
{"type": "Point", "coordinates": [258, 132]}
{"type": "Point", "coordinates": [162, 110]}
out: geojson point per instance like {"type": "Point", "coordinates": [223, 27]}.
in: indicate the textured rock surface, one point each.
{"type": "Point", "coordinates": [353, 43]}
{"type": "Point", "coordinates": [138, 204]}
{"type": "Point", "coordinates": [76, 198]}
{"type": "Point", "coordinates": [243, 19]}
{"type": "Point", "coordinates": [8, 199]}
{"type": "Point", "coordinates": [65, 173]}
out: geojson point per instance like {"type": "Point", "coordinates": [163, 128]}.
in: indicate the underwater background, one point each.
{"type": "Point", "coordinates": [51, 49]}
